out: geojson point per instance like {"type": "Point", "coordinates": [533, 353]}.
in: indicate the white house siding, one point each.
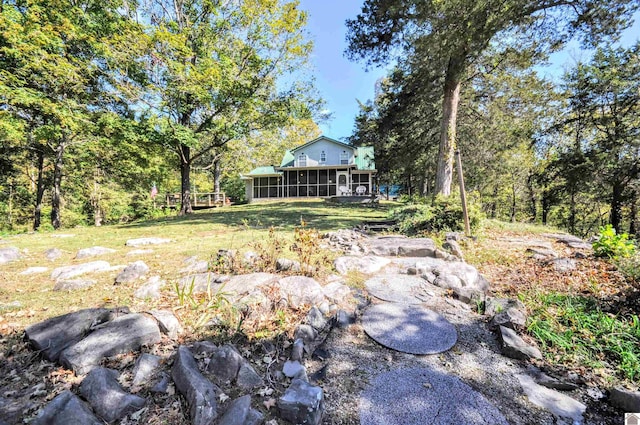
{"type": "Point", "coordinates": [332, 150]}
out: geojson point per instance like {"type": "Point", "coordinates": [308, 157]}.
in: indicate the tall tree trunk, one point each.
{"type": "Point", "coordinates": [616, 206]}
{"type": "Point", "coordinates": [444, 170]}
{"type": "Point", "coordinates": [37, 212]}
{"type": "Point", "coordinates": [185, 179]}
{"type": "Point", "coordinates": [494, 205]}
{"type": "Point", "coordinates": [513, 202]}
{"type": "Point", "coordinates": [633, 216]}
{"type": "Point", "coordinates": [572, 212]}
{"type": "Point", "coordinates": [533, 201]}
{"type": "Point", "coordinates": [217, 173]}
{"type": "Point", "coordinates": [56, 193]}
{"type": "Point", "coordinates": [546, 206]}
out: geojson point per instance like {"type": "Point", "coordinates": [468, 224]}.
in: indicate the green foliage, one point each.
{"type": "Point", "coordinates": [432, 215]}
{"type": "Point", "coordinates": [613, 245]}
{"type": "Point", "coordinates": [630, 267]}
{"type": "Point", "coordinates": [574, 330]}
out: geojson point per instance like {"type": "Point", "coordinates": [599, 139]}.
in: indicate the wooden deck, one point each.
{"type": "Point", "coordinates": [199, 201]}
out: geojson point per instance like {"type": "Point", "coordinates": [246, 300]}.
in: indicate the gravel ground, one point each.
{"type": "Point", "coordinates": [356, 361]}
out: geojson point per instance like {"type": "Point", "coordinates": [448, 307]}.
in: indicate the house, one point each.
{"type": "Point", "coordinates": [321, 168]}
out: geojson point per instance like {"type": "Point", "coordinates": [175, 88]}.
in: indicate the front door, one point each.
{"type": "Point", "coordinates": [342, 183]}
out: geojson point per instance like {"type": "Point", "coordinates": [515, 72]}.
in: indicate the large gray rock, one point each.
{"type": "Point", "coordinates": [505, 312]}
{"type": "Point", "coordinates": [202, 282]}
{"type": "Point", "coordinates": [247, 377]}
{"type": "Point", "coordinates": [302, 403]}
{"type": "Point", "coordinates": [316, 319]}
{"type": "Point", "coordinates": [557, 403]}
{"type": "Point", "coordinates": [54, 335]}
{"type": "Point", "coordinates": [121, 335]}
{"type": "Point", "coordinates": [563, 265]}
{"type": "Point", "coordinates": [293, 369]}
{"type": "Point", "coordinates": [397, 288]}
{"type": "Point", "coordinates": [419, 396]}
{"type": "Point", "coordinates": [453, 247]}
{"type": "Point", "coordinates": [169, 323]}
{"type": "Point", "coordinates": [399, 246]}
{"type": "Point", "coordinates": [199, 392]}
{"type": "Point", "coordinates": [298, 290]}
{"type": "Point", "coordinates": [151, 289]}
{"type": "Point", "coordinates": [9, 254]}
{"type": "Point", "coordinates": [538, 253]}
{"type": "Point", "coordinates": [67, 409]}
{"type": "Point", "coordinates": [513, 346]}
{"type": "Point", "coordinates": [73, 284]}
{"type": "Point", "coordinates": [94, 251]}
{"type": "Point", "coordinates": [33, 270]}
{"type": "Point", "coordinates": [133, 271]}
{"type": "Point", "coordinates": [68, 272]}
{"type": "Point", "coordinates": [244, 284]}
{"type": "Point", "coordinates": [285, 265]}
{"type": "Point", "coordinates": [108, 399]}
{"type": "Point", "coordinates": [337, 292]}
{"type": "Point", "coordinates": [225, 363]}
{"type": "Point", "coordinates": [145, 368]}
{"type": "Point", "coordinates": [240, 412]}
{"type": "Point", "coordinates": [193, 265]}
{"type": "Point", "coordinates": [368, 265]}
{"type": "Point", "coordinates": [52, 254]}
{"type": "Point", "coordinates": [146, 241]}
{"type": "Point", "coordinates": [625, 399]}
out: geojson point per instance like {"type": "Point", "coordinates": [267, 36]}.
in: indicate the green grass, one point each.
{"type": "Point", "coordinates": [201, 234]}
{"type": "Point", "coordinates": [574, 331]}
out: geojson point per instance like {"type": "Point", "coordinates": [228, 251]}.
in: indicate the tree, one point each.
{"type": "Point", "coordinates": [450, 36]}
{"type": "Point", "coordinates": [216, 70]}
{"type": "Point", "coordinates": [57, 69]}
{"type": "Point", "coordinates": [604, 116]}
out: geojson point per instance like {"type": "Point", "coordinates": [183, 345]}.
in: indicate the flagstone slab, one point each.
{"type": "Point", "coordinates": [408, 328]}
{"type": "Point", "coordinates": [397, 288]}
{"type": "Point", "coordinates": [426, 396]}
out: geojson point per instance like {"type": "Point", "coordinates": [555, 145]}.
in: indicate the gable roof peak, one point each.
{"type": "Point", "coordinates": [328, 139]}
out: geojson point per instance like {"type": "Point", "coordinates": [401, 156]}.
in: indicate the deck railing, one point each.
{"type": "Point", "coordinates": [198, 200]}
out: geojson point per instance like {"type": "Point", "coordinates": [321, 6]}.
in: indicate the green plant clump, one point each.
{"type": "Point", "coordinates": [613, 245]}
{"type": "Point", "coordinates": [573, 330]}
{"type": "Point", "coordinates": [431, 215]}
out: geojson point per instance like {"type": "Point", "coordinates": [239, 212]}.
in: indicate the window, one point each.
{"type": "Point", "coordinates": [344, 158]}
{"type": "Point", "coordinates": [267, 187]}
{"type": "Point", "coordinates": [323, 157]}
{"type": "Point", "coordinates": [302, 160]}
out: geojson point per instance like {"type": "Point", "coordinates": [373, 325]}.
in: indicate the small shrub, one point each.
{"type": "Point", "coordinates": [613, 245]}
{"type": "Point", "coordinates": [441, 214]}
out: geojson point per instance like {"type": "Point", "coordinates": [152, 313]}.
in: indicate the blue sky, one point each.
{"type": "Point", "coordinates": [342, 82]}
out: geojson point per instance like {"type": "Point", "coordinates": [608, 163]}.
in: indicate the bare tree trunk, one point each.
{"type": "Point", "coordinates": [616, 206]}
{"type": "Point", "coordinates": [513, 202]}
{"type": "Point", "coordinates": [494, 205]}
{"type": "Point", "coordinates": [546, 206]}
{"type": "Point", "coordinates": [533, 201]}
{"type": "Point", "coordinates": [95, 199]}
{"type": "Point", "coordinates": [633, 215]}
{"type": "Point", "coordinates": [572, 212]}
{"type": "Point", "coordinates": [444, 170]}
{"type": "Point", "coordinates": [217, 173]}
{"type": "Point", "coordinates": [56, 194]}
{"type": "Point", "coordinates": [37, 212]}
{"type": "Point", "coordinates": [185, 180]}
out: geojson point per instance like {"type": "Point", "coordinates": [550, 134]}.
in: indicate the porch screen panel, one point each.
{"type": "Point", "coordinates": [323, 183]}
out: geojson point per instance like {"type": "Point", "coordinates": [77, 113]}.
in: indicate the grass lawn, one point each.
{"type": "Point", "coordinates": [201, 234]}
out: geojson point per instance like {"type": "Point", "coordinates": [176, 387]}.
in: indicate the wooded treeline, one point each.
{"type": "Point", "coordinates": [99, 100]}
{"type": "Point", "coordinates": [564, 152]}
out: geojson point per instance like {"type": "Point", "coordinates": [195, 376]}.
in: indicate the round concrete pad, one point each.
{"type": "Point", "coordinates": [419, 396]}
{"type": "Point", "coordinates": [410, 329]}
{"type": "Point", "coordinates": [397, 288]}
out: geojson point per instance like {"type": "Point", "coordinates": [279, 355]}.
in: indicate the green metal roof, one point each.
{"type": "Point", "coordinates": [365, 159]}
{"type": "Point", "coordinates": [263, 171]}
{"type": "Point", "coordinates": [288, 159]}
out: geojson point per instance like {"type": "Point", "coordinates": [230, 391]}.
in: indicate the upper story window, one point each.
{"type": "Point", "coordinates": [302, 160]}
{"type": "Point", "coordinates": [344, 157]}
{"type": "Point", "coordinates": [323, 156]}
